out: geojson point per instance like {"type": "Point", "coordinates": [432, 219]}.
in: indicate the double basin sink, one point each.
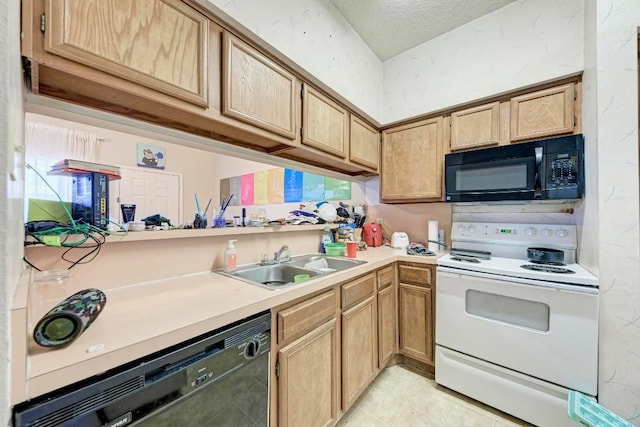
{"type": "Point", "coordinates": [290, 273]}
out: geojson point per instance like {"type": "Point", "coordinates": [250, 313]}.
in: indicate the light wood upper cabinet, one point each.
{"type": "Point", "coordinates": [359, 350]}
{"type": "Point", "coordinates": [160, 44]}
{"type": "Point", "coordinates": [325, 124]}
{"type": "Point", "coordinates": [364, 143]}
{"type": "Point", "coordinates": [307, 386]}
{"type": "Point", "coordinates": [412, 160]}
{"type": "Point", "coordinates": [475, 127]}
{"type": "Point", "coordinates": [256, 90]}
{"type": "Point", "coordinates": [543, 113]}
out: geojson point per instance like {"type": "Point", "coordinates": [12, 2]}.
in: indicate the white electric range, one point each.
{"type": "Point", "coordinates": [514, 334]}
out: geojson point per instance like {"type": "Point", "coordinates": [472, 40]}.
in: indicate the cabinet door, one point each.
{"type": "Point", "coordinates": [256, 90]}
{"type": "Point", "coordinates": [412, 161]}
{"type": "Point", "coordinates": [307, 385]}
{"type": "Point", "coordinates": [359, 350]}
{"type": "Point", "coordinates": [364, 144]}
{"type": "Point", "coordinates": [160, 44]}
{"type": "Point", "coordinates": [543, 113]}
{"type": "Point", "coordinates": [325, 124]}
{"type": "Point", "coordinates": [475, 127]}
{"type": "Point", "coordinates": [386, 325]}
{"type": "Point", "coordinates": [416, 336]}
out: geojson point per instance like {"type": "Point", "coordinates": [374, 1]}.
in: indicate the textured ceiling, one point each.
{"type": "Point", "coordinates": [390, 27]}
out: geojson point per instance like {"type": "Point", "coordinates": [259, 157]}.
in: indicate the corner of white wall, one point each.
{"type": "Point", "coordinates": [11, 186]}
{"type": "Point", "coordinates": [521, 44]}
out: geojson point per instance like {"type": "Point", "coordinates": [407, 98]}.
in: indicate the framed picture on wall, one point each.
{"type": "Point", "coordinates": [150, 156]}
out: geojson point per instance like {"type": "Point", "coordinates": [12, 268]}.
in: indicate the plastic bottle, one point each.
{"type": "Point", "coordinates": [230, 260]}
{"type": "Point", "coordinates": [327, 237]}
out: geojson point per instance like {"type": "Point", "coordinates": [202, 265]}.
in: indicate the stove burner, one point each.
{"type": "Point", "coordinates": [547, 269]}
{"type": "Point", "coordinates": [466, 259]}
{"type": "Point", "coordinates": [547, 262]}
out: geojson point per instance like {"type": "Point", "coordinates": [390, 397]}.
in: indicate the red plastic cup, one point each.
{"type": "Point", "coordinates": [352, 248]}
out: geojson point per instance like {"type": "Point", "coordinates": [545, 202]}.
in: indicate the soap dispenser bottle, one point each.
{"type": "Point", "coordinates": [327, 237]}
{"type": "Point", "coordinates": [230, 260]}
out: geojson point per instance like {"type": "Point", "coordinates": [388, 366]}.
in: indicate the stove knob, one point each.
{"type": "Point", "coordinates": [531, 231]}
{"type": "Point", "coordinates": [471, 229]}
{"type": "Point", "coordinates": [462, 229]}
{"type": "Point", "coordinates": [546, 232]}
{"type": "Point", "coordinates": [561, 232]}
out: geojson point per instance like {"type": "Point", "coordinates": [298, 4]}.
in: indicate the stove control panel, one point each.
{"type": "Point", "coordinates": [558, 235]}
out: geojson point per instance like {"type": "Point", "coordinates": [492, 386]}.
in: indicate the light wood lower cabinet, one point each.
{"type": "Point", "coordinates": [359, 350]}
{"type": "Point", "coordinates": [415, 312]}
{"type": "Point", "coordinates": [387, 335]}
{"type": "Point", "coordinates": [307, 384]}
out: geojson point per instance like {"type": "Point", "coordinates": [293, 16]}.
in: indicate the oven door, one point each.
{"type": "Point", "coordinates": [509, 173]}
{"type": "Point", "coordinates": [545, 330]}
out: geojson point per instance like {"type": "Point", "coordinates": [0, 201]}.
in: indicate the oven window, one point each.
{"type": "Point", "coordinates": [512, 176]}
{"type": "Point", "coordinates": [509, 310]}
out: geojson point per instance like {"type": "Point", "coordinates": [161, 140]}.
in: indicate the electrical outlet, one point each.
{"type": "Point", "coordinates": [380, 221]}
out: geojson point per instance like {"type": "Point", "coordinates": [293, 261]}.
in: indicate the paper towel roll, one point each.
{"type": "Point", "coordinates": [432, 234]}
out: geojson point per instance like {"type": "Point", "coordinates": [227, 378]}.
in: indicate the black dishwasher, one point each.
{"type": "Point", "coordinates": [217, 379]}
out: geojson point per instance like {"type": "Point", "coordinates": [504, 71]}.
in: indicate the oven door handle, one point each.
{"type": "Point", "coordinates": [476, 275]}
{"type": "Point", "coordinates": [537, 191]}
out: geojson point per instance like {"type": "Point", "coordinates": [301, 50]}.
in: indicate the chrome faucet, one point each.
{"type": "Point", "coordinates": [278, 256]}
{"type": "Point", "coordinates": [282, 255]}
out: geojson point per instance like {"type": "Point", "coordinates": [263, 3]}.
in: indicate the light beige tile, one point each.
{"type": "Point", "coordinates": [400, 397]}
{"type": "Point", "coordinates": [358, 418]}
{"type": "Point", "coordinates": [460, 415]}
{"type": "Point", "coordinates": [426, 417]}
{"type": "Point", "coordinates": [385, 409]}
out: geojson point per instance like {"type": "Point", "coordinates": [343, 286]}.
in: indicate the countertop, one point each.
{"type": "Point", "coordinates": [146, 317]}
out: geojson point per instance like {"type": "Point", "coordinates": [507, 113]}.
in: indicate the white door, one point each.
{"type": "Point", "coordinates": [152, 191]}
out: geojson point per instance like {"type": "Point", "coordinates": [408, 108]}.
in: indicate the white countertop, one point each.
{"type": "Point", "coordinates": [143, 318]}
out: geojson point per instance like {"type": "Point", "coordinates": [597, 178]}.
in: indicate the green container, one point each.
{"type": "Point", "coordinates": [335, 249]}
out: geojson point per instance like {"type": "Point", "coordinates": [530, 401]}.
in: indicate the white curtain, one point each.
{"type": "Point", "coordinates": [44, 146]}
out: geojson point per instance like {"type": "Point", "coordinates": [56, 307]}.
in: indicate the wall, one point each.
{"type": "Point", "coordinates": [119, 148]}
{"type": "Point", "coordinates": [523, 43]}
{"type": "Point", "coordinates": [619, 235]}
{"type": "Point", "coordinates": [313, 34]}
{"type": "Point", "coordinates": [226, 167]}
{"type": "Point", "coordinates": [11, 184]}
{"type": "Point", "coordinates": [201, 170]}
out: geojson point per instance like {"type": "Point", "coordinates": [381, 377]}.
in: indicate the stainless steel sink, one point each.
{"type": "Point", "coordinates": [277, 276]}
{"type": "Point", "coordinates": [325, 263]}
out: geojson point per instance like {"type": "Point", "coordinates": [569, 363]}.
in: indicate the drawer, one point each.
{"type": "Point", "coordinates": [418, 275]}
{"type": "Point", "coordinates": [385, 277]}
{"type": "Point", "coordinates": [358, 290]}
{"type": "Point", "coordinates": [295, 321]}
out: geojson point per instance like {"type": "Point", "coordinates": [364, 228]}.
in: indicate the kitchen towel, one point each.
{"type": "Point", "coordinates": [432, 234]}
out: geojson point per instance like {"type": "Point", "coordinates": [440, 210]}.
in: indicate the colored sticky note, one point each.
{"type": "Point", "coordinates": [312, 187]}
{"type": "Point", "coordinates": [292, 186]}
{"type": "Point", "coordinates": [276, 185]}
{"type": "Point", "coordinates": [246, 189]}
{"type": "Point", "coordinates": [336, 189]}
{"type": "Point", "coordinates": [260, 187]}
{"type": "Point", "coordinates": [234, 188]}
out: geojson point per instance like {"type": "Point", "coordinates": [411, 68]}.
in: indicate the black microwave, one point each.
{"type": "Point", "coordinates": [548, 169]}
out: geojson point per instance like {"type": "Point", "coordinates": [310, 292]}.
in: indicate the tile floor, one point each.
{"type": "Point", "coordinates": [399, 397]}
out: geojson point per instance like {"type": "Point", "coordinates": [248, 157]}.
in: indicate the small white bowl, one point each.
{"type": "Point", "coordinates": [136, 226]}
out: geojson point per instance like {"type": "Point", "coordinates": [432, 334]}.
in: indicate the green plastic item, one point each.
{"type": "Point", "coordinates": [589, 413]}
{"type": "Point", "coordinates": [335, 249]}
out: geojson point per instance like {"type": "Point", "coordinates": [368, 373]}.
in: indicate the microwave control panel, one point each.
{"type": "Point", "coordinates": [562, 171]}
